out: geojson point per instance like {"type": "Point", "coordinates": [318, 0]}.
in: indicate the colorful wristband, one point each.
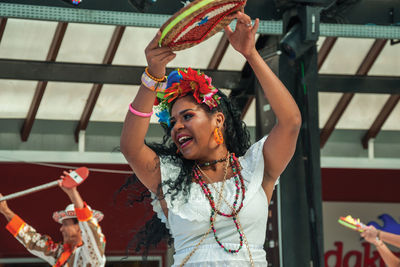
{"type": "Point", "coordinates": [15, 225]}
{"type": "Point", "coordinates": [84, 214]}
{"type": "Point", "coordinates": [163, 79]}
{"type": "Point", "coordinates": [138, 113]}
{"type": "Point", "coordinates": [153, 85]}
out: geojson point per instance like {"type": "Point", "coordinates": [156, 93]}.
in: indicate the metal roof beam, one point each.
{"type": "Point", "coordinates": [273, 27]}
{"type": "Point", "coordinates": [130, 75]}
{"type": "Point", "coordinates": [358, 84]}
{"type": "Point", "coordinates": [41, 86]}
{"type": "Point", "coordinates": [344, 101]}
{"type": "Point", "coordinates": [96, 73]}
{"type": "Point", "coordinates": [351, 12]}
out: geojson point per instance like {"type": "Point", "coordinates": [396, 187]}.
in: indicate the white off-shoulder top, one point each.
{"type": "Point", "coordinates": [189, 217]}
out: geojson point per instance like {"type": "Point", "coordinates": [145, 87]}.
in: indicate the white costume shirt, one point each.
{"type": "Point", "coordinates": [189, 220]}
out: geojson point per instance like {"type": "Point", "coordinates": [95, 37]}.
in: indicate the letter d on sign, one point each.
{"type": "Point", "coordinates": [335, 253]}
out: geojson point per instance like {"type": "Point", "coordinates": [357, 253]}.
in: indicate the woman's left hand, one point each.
{"type": "Point", "coordinates": [370, 234]}
{"type": "Point", "coordinates": [243, 38]}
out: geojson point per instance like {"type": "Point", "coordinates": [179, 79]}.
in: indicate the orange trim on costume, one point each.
{"type": "Point", "coordinates": [15, 225]}
{"type": "Point", "coordinates": [84, 214]}
{"type": "Point", "coordinates": [64, 256]}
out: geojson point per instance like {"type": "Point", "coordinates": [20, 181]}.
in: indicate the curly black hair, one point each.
{"type": "Point", "coordinates": [237, 140]}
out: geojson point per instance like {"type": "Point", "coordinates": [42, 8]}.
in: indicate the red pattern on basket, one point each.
{"type": "Point", "coordinates": [202, 30]}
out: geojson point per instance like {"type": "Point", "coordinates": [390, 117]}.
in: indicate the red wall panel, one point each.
{"type": "Point", "coordinates": [360, 185]}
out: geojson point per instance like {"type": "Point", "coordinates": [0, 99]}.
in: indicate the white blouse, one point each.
{"type": "Point", "coordinates": [189, 217]}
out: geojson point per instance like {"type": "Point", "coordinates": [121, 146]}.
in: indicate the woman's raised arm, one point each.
{"type": "Point", "coordinates": [281, 143]}
{"type": "Point", "coordinates": [144, 161]}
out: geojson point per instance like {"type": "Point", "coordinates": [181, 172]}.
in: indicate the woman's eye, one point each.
{"type": "Point", "coordinates": [187, 116]}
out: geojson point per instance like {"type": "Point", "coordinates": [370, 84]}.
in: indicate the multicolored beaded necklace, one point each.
{"type": "Point", "coordinates": [198, 172]}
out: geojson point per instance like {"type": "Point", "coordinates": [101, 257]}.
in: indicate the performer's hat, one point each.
{"type": "Point", "coordinates": [69, 213]}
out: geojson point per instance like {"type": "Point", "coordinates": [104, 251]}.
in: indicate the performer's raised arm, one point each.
{"type": "Point", "coordinates": [281, 143]}
{"type": "Point", "coordinates": [143, 160]}
{"type": "Point", "coordinates": [92, 241]}
{"type": "Point", "coordinates": [37, 244]}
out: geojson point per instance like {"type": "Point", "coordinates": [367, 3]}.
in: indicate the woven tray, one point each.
{"type": "Point", "coordinates": [352, 223]}
{"type": "Point", "coordinates": [197, 22]}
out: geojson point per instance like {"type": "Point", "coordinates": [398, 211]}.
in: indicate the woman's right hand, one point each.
{"type": "Point", "coordinates": [158, 57]}
{"type": "Point", "coordinates": [243, 39]}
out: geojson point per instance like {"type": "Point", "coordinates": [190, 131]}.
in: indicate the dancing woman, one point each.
{"type": "Point", "coordinates": [211, 189]}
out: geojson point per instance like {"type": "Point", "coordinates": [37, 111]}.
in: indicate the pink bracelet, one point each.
{"type": "Point", "coordinates": [138, 113]}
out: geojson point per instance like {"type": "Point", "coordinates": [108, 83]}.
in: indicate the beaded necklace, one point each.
{"type": "Point", "coordinates": [238, 177]}
{"type": "Point", "coordinates": [240, 225]}
{"type": "Point", "coordinates": [209, 229]}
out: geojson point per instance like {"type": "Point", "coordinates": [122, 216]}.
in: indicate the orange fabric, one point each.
{"type": "Point", "coordinates": [84, 214]}
{"type": "Point", "coordinates": [64, 256]}
{"type": "Point", "coordinates": [15, 225]}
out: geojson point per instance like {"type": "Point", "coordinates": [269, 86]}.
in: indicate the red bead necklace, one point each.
{"type": "Point", "coordinates": [238, 178]}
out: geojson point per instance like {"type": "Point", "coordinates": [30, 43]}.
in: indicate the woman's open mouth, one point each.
{"type": "Point", "coordinates": [184, 140]}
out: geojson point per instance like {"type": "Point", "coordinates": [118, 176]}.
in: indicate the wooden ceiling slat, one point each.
{"type": "Point", "coordinates": [371, 57]}
{"type": "Point", "coordinates": [325, 50]}
{"type": "Point", "coordinates": [88, 110]}
{"type": "Point", "coordinates": [41, 86]}
{"type": "Point", "coordinates": [380, 119]}
{"type": "Point", "coordinates": [334, 117]}
{"type": "Point", "coordinates": [96, 89]}
{"type": "Point", "coordinates": [344, 101]}
{"type": "Point", "coordinates": [219, 53]}
{"type": "Point", "coordinates": [57, 40]}
{"type": "Point", "coordinates": [246, 107]}
{"type": "Point", "coordinates": [3, 23]}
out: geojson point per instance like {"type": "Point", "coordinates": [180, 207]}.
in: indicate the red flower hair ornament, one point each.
{"type": "Point", "coordinates": [182, 82]}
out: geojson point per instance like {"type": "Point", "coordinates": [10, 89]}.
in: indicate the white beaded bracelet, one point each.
{"type": "Point", "coordinates": [153, 85]}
